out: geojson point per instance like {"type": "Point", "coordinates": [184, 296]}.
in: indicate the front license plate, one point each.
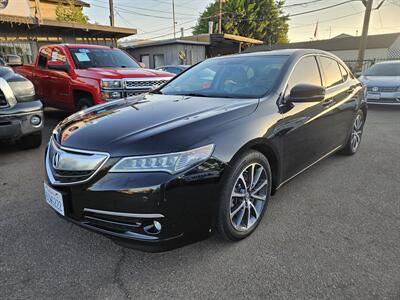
{"type": "Point", "coordinates": [54, 199]}
{"type": "Point", "coordinates": [374, 96]}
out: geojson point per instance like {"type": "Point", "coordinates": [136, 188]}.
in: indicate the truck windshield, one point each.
{"type": "Point", "coordinates": [85, 58]}
{"type": "Point", "coordinates": [230, 77]}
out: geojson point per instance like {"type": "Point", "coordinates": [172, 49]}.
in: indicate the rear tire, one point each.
{"type": "Point", "coordinates": [83, 103]}
{"type": "Point", "coordinates": [354, 140]}
{"type": "Point", "coordinates": [33, 140]}
{"type": "Point", "coordinates": [244, 196]}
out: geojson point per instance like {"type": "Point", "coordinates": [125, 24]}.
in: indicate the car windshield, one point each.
{"type": "Point", "coordinates": [385, 69]}
{"type": "Point", "coordinates": [101, 58]}
{"type": "Point", "coordinates": [229, 77]}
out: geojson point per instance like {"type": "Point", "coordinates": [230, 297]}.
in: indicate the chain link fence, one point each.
{"type": "Point", "coordinates": [352, 64]}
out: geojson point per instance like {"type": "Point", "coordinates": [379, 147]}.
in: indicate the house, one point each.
{"type": "Point", "coordinates": [379, 47]}
{"type": "Point", "coordinates": [187, 50]}
{"type": "Point", "coordinates": [24, 27]}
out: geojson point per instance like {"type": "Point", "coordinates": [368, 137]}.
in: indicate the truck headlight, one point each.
{"type": "Point", "coordinates": [111, 95]}
{"type": "Point", "coordinates": [111, 83]}
{"type": "Point", "coordinates": [23, 90]}
{"type": "Point", "coordinates": [171, 163]}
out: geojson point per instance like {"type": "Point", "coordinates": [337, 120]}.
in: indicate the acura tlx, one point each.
{"type": "Point", "coordinates": [205, 151]}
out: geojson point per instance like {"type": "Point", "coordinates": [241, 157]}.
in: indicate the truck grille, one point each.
{"type": "Point", "coordinates": [3, 101]}
{"type": "Point", "coordinates": [145, 84]}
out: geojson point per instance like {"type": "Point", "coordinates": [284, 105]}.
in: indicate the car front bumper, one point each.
{"type": "Point", "coordinates": [147, 211]}
{"type": "Point", "coordinates": [15, 121]}
{"type": "Point", "coordinates": [388, 98]}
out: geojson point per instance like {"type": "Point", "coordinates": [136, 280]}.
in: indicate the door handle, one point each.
{"type": "Point", "coordinates": [350, 90]}
{"type": "Point", "coordinates": [328, 102]}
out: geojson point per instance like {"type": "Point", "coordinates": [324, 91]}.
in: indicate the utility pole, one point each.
{"type": "Point", "coordinates": [173, 17]}
{"type": "Point", "coordinates": [220, 17]}
{"type": "Point", "coordinates": [111, 3]}
{"type": "Point", "coordinates": [364, 36]}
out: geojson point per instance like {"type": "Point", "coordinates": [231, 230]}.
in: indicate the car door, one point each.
{"type": "Point", "coordinates": [342, 92]}
{"type": "Point", "coordinates": [59, 80]}
{"type": "Point", "coordinates": [305, 140]}
{"type": "Point", "coordinates": [39, 76]}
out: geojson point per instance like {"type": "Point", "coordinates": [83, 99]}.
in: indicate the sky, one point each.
{"type": "Point", "coordinates": [153, 18]}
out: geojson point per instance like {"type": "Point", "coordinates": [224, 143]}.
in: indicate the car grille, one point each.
{"type": "Point", "coordinates": [3, 101]}
{"type": "Point", "coordinates": [383, 89]}
{"type": "Point", "coordinates": [144, 84]}
{"type": "Point", "coordinates": [70, 166]}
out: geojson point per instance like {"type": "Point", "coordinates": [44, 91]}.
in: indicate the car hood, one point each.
{"type": "Point", "coordinates": [381, 80]}
{"type": "Point", "coordinates": [150, 124]}
{"type": "Point", "coordinates": [118, 73]}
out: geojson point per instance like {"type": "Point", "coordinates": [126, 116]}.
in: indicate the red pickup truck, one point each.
{"type": "Point", "coordinates": [73, 77]}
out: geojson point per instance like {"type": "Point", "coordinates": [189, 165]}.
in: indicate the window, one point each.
{"type": "Point", "coordinates": [146, 60]}
{"type": "Point", "coordinates": [158, 60]}
{"type": "Point", "coordinates": [231, 77]}
{"type": "Point", "coordinates": [331, 71]}
{"type": "Point", "coordinates": [306, 71]}
{"type": "Point", "coordinates": [85, 58]}
{"type": "Point", "coordinates": [42, 61]}
{"type": "Point", "coordinates": [345, 74]}
{"type": "Point", "coordinates": [58, 55]}
{"type": "Point", "coordinates": [173, 70]}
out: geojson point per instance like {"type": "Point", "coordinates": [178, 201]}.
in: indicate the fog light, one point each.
{"type": "Point", "coordinates": [36, 121]}
{"type": "Point", "coordinates": [157, 225]}
{"type": "Point", "coordinates": [153, 228]}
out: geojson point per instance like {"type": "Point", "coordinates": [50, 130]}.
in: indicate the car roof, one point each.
{"type": "Point", "coordinates": [285, 52]}
{"type": "Point", "coordinates": [83, 46]}
{"type": "Point", "coordinates": [174, 66]}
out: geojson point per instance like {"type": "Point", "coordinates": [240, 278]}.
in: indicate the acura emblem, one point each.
{"type": "Point", "coordinates": [375, 89]}
{"type": "Point", "coordinates": [56, 159]}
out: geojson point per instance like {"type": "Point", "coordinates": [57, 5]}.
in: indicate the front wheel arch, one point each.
{"type": "Point", "coordinates": [270, 152]}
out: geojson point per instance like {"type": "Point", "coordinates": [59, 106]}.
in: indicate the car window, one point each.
{"type": "Point", "coordinates": [232, 77]}
{"type": "Point", "coordinates": [331, 71]}
{"type": "Point", "coordinates": [345, 74]}
{"type": "Point", "coordinates": [384, 69]}
{"type": "Point", "coordinates": [58, 55]}
{"type": "Point", "coordinates": [174, 70]}
{"type": "Point", "coordinates": [43, 57]}
{"type": "Point", "coordinates": [306, 71]}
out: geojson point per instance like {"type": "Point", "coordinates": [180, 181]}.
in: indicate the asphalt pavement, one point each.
{"type": "Point", "coordinates": [333, 232]}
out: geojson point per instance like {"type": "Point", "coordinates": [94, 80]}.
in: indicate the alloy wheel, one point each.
{"type": "Point", "coordinates": [248, 197]}
{"type": "Point", "coordinates": [356, 133]}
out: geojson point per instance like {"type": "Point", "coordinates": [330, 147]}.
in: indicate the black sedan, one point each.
{"type": "Point", "coordinates": [205, 151]}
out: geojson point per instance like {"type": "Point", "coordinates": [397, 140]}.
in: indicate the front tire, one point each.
{"type": "Point", "coordinates": [33, 140]}
{"type": "Point", "coordinates": [354, 140]}
{"type": "Point", "coordinates": [83, 103]}
{"type": "Point", "coordinates": [244, 196]}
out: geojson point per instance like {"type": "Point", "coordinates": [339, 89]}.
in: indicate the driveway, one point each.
{"type": "Point", "coordinates": [332, 232]}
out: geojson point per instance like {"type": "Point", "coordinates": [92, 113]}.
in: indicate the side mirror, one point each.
{"type": "Point", "coordinates": [57, 66]}
{"type": "Point", "coordinates": [142, 65]}
{"type": "Point", "coordinates": [307, 93]}
{"type": "Point", "coordinates": [13, 60]}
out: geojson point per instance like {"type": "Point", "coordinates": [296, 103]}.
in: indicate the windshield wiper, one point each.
{"type": "Point", "coordinates": [193, 95]}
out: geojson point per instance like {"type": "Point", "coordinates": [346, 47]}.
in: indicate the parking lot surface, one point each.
{"type": "Point", "coordinates": [332, 232]}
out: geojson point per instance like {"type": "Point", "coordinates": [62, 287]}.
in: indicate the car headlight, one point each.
{"type": "Point", "coordinates": [171, 163]}
{"type": "Point", "coordinates": [23, 90]}
{"type": "Point", "coordinates": [111, 83]}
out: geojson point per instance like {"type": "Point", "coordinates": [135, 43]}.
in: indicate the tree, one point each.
{"type": "Point", "coordinates": [259, 19]}
{"type": "Point", "coordinates": [70, 13]}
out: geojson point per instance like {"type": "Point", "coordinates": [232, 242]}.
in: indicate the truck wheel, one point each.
{"type": "Point", "coordinates": [83, 103]}
{"type": "Point", "coordinates": [33, 140]}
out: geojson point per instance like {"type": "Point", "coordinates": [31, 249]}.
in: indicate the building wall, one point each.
{"type": "Point", "coordinates": [47, 9]}
{"type": "Point", "coordinates": [369, 54]}
{"type": "Point", "coordinates": [394, 50]}
{"type": "Point", "coordinates": [194, 54]}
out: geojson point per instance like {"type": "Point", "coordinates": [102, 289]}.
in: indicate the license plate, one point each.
{"type": "Point", "coordinates": [375, 96]}
{"type": "Point", "coordinates": [54, 199]}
